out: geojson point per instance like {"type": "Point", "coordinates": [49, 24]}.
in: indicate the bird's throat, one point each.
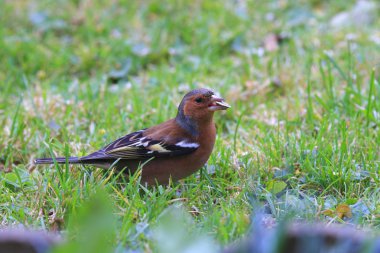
{"type": "Point", "coordinates": [187, 124]}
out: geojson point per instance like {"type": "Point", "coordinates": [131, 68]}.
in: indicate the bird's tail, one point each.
{"type": "Point", "coordinates": [60, 160]}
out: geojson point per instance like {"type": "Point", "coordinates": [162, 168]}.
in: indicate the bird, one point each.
{"type": "Point", "coordinates": [165, 152]}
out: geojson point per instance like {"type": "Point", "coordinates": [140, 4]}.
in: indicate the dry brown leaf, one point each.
{"type": "Point", "coordinates": [328, 212]}
{"type": "Point", "coordinates": [343, 210]}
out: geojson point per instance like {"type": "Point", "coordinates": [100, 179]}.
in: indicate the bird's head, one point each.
{"type": "Point", "coordinates": [199, 105]}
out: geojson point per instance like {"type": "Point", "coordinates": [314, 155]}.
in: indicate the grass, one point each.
{"type": "Point", "coordinates": [301, 137]}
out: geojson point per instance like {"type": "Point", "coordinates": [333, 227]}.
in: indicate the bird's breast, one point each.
{"type": "Point", "coordinates": [178, 167]}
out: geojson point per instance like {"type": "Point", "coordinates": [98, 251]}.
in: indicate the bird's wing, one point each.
{"type": "Point", "coordinates": [138, 146]}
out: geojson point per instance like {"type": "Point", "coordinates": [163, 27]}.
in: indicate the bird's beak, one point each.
{"type": "Point", "coordinates": [217, 103]}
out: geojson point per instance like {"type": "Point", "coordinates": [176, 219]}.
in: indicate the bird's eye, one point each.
{"type": "Point", "coordinates": [199, 100]}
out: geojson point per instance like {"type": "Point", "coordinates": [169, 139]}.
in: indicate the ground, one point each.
{"type": "Point", "coordinates": [301, 139]}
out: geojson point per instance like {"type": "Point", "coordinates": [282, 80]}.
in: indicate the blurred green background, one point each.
{"type": "Point", "coordinates": [301, 137]}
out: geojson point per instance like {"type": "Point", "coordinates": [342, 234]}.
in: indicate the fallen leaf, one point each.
{"type": "Point", "coordinates": [141, 49]}
{"type": "Point", "coordinates": [116, 75]}
{"type": "Point", "coordinates": [328, 212]}
{"type": "Point", "coordinates": [343, 210]}
{"type": "Point", "coordinates": [361, 208]}
{"type": "Point", "coordinates": [275, 186]}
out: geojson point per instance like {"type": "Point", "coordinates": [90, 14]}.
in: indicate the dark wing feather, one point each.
{"type": "Point", "coordinates": [138, 146]}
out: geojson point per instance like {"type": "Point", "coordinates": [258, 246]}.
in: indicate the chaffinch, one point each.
{"type": "Point", "coordinates": [174, 149]}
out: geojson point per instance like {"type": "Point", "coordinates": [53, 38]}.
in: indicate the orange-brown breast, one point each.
{"type": "Point", "coordinates": [161, 169]}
